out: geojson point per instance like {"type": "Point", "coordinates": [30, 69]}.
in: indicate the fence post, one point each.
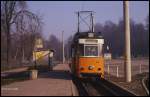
{"type": "Point", "coordinates": [117, 71]}
{"type": "Point", "coordinates": [140, 68]}
{"type": "Point", "coordinates": [108, 71]}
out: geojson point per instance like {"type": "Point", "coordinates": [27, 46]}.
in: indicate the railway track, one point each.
{"type": "Point", "coordinates": [100, 88]}
{"type": "Point", "coordinates": [80, 87]}
{"type": "Point", "coordinates": [105, 87]}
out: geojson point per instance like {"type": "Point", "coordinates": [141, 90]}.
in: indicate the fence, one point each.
{"type": "Point", "coordinates": [117, 69]}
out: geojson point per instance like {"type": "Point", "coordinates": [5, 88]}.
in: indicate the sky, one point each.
{"type": "Point", "coordinates": [59, 16]}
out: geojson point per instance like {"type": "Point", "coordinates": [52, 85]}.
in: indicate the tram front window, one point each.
{"type": "Point", "coordinates": [91, 50]}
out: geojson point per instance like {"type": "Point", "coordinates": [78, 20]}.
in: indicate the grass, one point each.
{"type": "Point", "coordinates": [42, 66]}
{"type": "Point", "coordinates": [5, 68]}
{"type": "Point", "coordinates": [147, 83]}
{"type": "Point", "coordinates": [22, 76]}
{"type": "Point", "coordinates": [15, 77]}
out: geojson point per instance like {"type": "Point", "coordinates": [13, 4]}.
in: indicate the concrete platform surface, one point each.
{"type": "Point", "coordinates": [53, 83]}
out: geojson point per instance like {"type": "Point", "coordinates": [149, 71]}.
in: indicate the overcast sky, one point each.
{"type": "Point", "coordinates": [60, 15]}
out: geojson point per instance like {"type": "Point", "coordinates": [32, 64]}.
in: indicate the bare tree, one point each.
{"type": "Point", "coordinates": [15, 18]}
{"type": "Point", "coordinates": [55, 44]}
{"type": "Point", "coordinates": [114, 37]}
{"type": "Point", "coordinates": [27, 22]}
{"type": "Point", "coordinates": [8, 13]}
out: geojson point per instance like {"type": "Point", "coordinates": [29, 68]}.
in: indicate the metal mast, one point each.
{"type": "Point", "coordinates": [63, 46]}
{"type": "Point", "coordinates": [90, 23]}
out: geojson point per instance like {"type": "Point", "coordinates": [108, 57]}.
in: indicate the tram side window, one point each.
{"type": "Point", "coordinates": [101, 49]}
{"type": "Point", "coordinates": [81, 50]}
{"type": "Point", "coordinates": [72, 52]}
{"type": "Point", "coordinates": [91, 50]}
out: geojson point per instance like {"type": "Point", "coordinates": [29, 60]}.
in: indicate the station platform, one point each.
{"type": "Point", "coordinates": [52, 83]}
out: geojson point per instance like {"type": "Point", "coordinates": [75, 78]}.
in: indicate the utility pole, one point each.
{"type": "Point", "coordinates": [127, 41]}
{"type": "Point", "coordinates": [78, 21]}
{"type": "Point", "coordinates": [63, 46]}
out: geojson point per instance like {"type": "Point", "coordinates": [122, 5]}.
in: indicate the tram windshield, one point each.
{"type": "Point", "coordinates": [91, 50]}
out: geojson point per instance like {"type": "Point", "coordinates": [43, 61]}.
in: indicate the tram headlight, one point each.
{"type": "Point", "coordinates": [81, 68]}
{"type": "Point", "coordinates": [91, 67]}
{"type": "Point", "coordinates": [99, 69]}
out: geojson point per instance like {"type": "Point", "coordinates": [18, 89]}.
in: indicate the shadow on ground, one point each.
{"type": "Point", "coordinates": [56, 74]}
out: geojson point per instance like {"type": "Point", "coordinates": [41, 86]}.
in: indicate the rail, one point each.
{"type": "Point", "coordinates": [103, 88]}
{"type": "Point", "coordinates": [114, 89]}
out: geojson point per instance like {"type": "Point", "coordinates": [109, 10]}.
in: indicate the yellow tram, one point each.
{"type": "Point", "coordinates": [87, 55]}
